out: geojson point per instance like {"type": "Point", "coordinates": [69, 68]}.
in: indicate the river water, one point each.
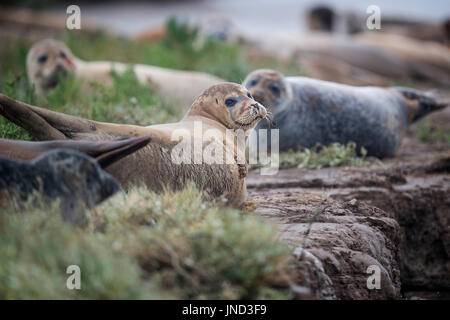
{"type": "Point", "coordinates": [251, 17]}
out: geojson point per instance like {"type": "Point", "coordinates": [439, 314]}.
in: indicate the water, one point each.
{"type": "Point", "coordinates": [251, 17]}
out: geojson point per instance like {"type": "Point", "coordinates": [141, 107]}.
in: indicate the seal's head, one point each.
{"type": "Point", "coordinates": [229, 104]}
{"type": "Point", "coordinates": [268, 87]}
{"type": "Point", "coordinates": [47, 60]}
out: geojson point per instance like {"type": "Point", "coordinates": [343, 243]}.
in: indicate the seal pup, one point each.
{"type": "Point", "coordinates": [48, 60]}
{"type": "Point", "coordinates": [214, 114]}
{"type": "Point", "coordinates": [309, 111]}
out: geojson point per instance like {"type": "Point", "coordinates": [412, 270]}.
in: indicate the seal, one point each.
{"type": "Point", "coordinates": [48, 60]}
{"type": "Point", "coordinates": [57, 170]}
{"type": "Point", "coordinates": [67, 175]}
{"type": "Point", "coordinates": [432, 57]}
{"type": "Point", "coordinates": [350, 58]}
{"type": "Point", "coordinates": [220, 111]}
{"type": "Point", "coordinates": [321, 18]}
{"type": "Point", "coordinates": [104, 152]}
{"type": "Point", "coordinates": [309, 111]}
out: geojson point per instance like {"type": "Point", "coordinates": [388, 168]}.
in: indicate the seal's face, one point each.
{"type": "Point", "coordinates": [267, 87]}
{"type": "Point", "coordinates": [230, 104]}
{"type": "Point", "coordinates": [48, 60]}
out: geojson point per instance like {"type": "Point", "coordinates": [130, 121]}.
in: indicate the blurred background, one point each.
{"type": "Point", "coordinates": [253, 17]}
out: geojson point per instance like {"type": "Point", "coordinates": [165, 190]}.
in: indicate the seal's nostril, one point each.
{"type": "Point", "coordinates": [255, 105]}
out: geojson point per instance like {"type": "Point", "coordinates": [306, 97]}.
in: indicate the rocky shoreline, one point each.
{"type": "Point", "coordinates": [342, 220]}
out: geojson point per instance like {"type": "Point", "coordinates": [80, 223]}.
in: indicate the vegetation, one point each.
{"type": "Point", "coordinates": [143, 245]}
{"type": "Point", "coordinates": [334, 155]}
{"type": "Point", "coordinates": [430, 134]}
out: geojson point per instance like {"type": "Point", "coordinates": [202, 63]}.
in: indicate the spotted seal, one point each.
{"type": "Point", "coordinates": [309, 111]}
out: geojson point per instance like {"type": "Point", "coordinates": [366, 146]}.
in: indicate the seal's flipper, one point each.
{"type": "Point", "coordinates": [41, 123]}
{"type": "Point", "coordinates": [105, 152]}
{"type": "Point", "coordinates": [45, 124]}
{"type": "Point", "coordinates": [113, 151]}
{"type": "Point", "coordinates": [421, 103]}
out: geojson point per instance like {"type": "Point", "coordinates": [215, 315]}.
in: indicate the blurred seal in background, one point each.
{"type": "Point", "coordinates": [309, 111]}
{"type": "Point", "coordinates": [48, 60]}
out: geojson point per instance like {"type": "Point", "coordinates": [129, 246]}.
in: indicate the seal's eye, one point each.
{"type": "Point", "coordinates": [230, 102]}
{"type": "Point", "coordinates": [62, 54]}
{"type": "Point", "coordinates": [253, 83]}
{"type": "Point", "coordinates": [275, 89]}
{"type": "Point", "coordinates": [42, 58]}
{"type": "Point", "coordinates": [249, 95]}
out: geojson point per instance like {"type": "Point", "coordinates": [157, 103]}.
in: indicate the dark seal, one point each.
{"type": "Point", "coordinates": [75, 179]}
{"type": "Point", "coordinates": [308, 111]}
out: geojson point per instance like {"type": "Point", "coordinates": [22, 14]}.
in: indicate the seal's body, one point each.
{"type": "Point", "coordinates": [105, 152]}
{"type": "Point", "coordinates": [48, 59]}
{"type": "Point", "coordinates": [220, 108]}
{"type": "Point", "coordinates": [58, 170]}
{"type": "Point", "coordinates": [72, 177]}
{"type": "Point", "coordinates": [433, 58]}
{"type": "Point", "coordinates": [309, 111]}
{"type": "Point", "coordinates": [361, 59]}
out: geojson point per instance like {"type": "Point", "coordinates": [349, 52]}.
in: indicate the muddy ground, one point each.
{"type": "Point", "coordinates": [340, 221]}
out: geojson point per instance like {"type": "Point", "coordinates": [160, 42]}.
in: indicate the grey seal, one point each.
{"type": "Point", "coordinates": [58, 170]}
{"type": "Point", "coordinates": [309, 111]}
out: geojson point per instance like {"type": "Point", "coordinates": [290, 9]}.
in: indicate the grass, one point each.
{"type": "Point", "coordinates": [126, 101]}
{"type": "Point", "coordinates": [430, 134]}
{"type": "Point", "coordinates": [142, 245]}
{"type": "Point", "coordinates": [334, 155]}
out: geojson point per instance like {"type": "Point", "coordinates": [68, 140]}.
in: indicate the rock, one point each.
{"type": "Point", "coordinates": [338, 239]}
{"type": "Point", "coordinates": [76, 180]}
{"type": "Point", "coordinates": [340, 221]}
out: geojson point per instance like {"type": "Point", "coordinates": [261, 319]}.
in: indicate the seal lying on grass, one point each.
{"type": "Point", "coordinates": [49, 59]}
{"type": "Point", "coordinates": [76, 179]}
{"type": "Point", "coordinates": [309, 111]}
{"type": "Point", "coordinates": [214, 115]}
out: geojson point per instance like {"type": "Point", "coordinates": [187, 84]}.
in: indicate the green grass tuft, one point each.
{"type": "Point", "coordinates": [334, 155]}
{"type": "Point", "coordinates": [430, 134]}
